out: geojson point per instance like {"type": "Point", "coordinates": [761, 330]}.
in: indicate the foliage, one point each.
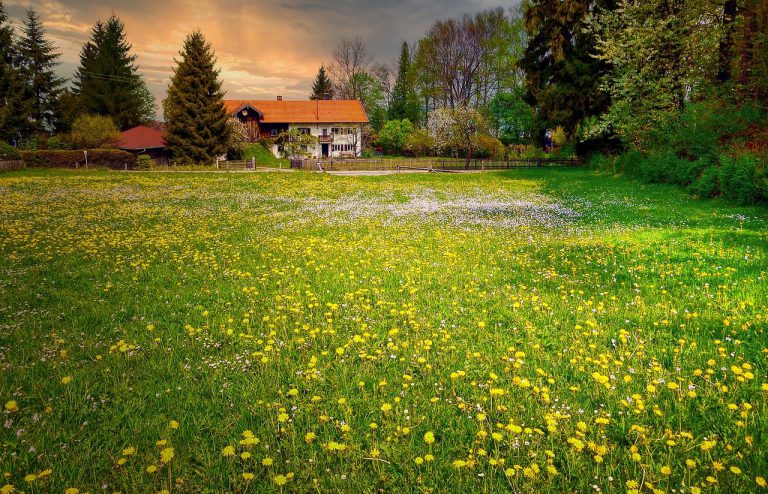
{"type": "Point", "coordinates": [107, 80]}
{"type": "Point", "coordinates": [363, 334]}
{"type": "Point", "coordinates": [297, 144]}
{"type": "Point", "coordinates": [322, 88]}
{"type": "Point", "coordinates": [238, 138]}
{"type": "Point", "coordinates": [197, 121]}
{"type": "Point", "coordinates": [50, 158]}
{"type": "Point", "coordinates": [457, 131]}
{"type": "Point", "coordinates": [405, 102]}
{"type": "Point", "coordinates": [419, 143]}
{"type": "Point", "coordinates": [143, 162]}
{"type": "Point", "coordinates": [739, 180]}
{"type": "Point", "coordinates": [563, 78]}
{"type": "Point", "coordinates": [490, 147]}
{"type": "Point", "coordinates": [351, 61]}
{"type": "Point", "coordinates": [93, 132]}
{"type": "Point", "coordinates": [39, 86]}
{"type": "Point", "coordinates": [261, 152]}
{"type": "Point", "coordinates": [512, 117]}
{"type": "Point", "coordinates": [8, 152]}
{"type": "Point", "coordinates": [466, 61]}
{"type": "Point", "coordinates": [394, 136]}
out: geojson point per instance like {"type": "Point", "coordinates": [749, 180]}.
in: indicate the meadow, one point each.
{"type": "Point", "coordinates": [521, 331]}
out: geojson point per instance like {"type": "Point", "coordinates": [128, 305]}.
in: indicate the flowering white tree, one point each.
{"type": "Point", "coordinates": [457, 130]}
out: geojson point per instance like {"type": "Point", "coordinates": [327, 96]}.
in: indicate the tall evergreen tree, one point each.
{"type": "Point", "coordinates": [322, 86]}
{"type": "Point", "coordinates": [405, 102]}
{"type": "Point", "coordinates": [42, 86]}
{"type": "Point", "coordinates": [194, 108]}
{"type": "Point", "coordinates": [8, 78]}
{"type": "Point", "coordinates": [563, 79]}
{"type": "Point", "coordinates": [107, 79]}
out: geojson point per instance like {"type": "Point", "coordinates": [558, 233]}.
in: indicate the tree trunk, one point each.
{"type": "Point", "coordinates": [726, 43]}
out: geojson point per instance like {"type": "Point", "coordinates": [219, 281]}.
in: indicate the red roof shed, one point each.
{"type": "Point", "coordinates": [141, 138]}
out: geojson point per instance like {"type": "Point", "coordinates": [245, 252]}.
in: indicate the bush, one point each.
{"type": "Point", "coordinates": [707, 184]}
{"type": "Point", "coordinates": [143, 162]}
{"type": "Point", "coordinates": [490, 147]}
{"type": "Point", "coordinates": [109, 158]}
{"type": "Point", "coordinates": [8, 152]}
{"type": "Point", "coordinates": [419, 143]}
{"type": "Point", "coordinates": [394, 135]}
{"type": "Point", "coordinates": [738, 179]}
{"type": "Point", "coordinates": [94, 131]}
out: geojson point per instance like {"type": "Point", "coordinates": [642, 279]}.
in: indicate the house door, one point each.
{"type": "Point", "coordinates": [324, 150]}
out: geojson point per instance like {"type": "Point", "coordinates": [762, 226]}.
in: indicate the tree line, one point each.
{"type": "Point", "coordinates": [35, 103]}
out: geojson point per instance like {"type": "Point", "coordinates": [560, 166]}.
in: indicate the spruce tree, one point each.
{"type": "Point", "coordinates": [41, 86]}
{"type": "Point", "coordinates": [563, 78]}
{"type": "Point", "coordinates": [405, 102]}
{"type": "Point", "coordinates": [322, 86]}
{"type": "Point", "coordinates": [8, 77]}
{"type": "Point", "coordinates": [194, 109]}
{"type": "Point", "coordinates": [107, 79]}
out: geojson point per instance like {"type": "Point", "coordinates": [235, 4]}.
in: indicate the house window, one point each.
{"type": "Point", "coordinates": [304, 130]}
{"type": "Point", "coordinates": [273, 132]}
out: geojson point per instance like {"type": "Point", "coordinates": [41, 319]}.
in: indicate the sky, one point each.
{"type": "Point", "coordinates": [265, 48]}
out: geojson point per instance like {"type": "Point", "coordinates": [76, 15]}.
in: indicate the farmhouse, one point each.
{"type": "Point", "coordinates": [337, 124]}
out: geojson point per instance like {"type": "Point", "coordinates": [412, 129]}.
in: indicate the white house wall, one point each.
{"type": "Point", "coordinates": [317, 131]}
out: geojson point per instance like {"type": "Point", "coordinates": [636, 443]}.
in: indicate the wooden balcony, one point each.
{"type": "Point", "coordinates": [325, 139]}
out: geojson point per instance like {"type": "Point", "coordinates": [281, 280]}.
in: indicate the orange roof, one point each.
{"type": "Point", "coordinates": [141, 137]}
{"type": "Point", "coordinates": [324, 111]}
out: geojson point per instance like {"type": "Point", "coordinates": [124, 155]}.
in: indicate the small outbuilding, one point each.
{"type": "Point", "coordinates": [145, 140]}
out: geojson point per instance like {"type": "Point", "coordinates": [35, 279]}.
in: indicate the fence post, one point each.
{"type": "Point", "coordinates": [253, 163]}
{"type": "Point", "coordinates": [217, 163]}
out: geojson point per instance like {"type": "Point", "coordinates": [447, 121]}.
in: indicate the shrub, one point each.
{"type": "Point", "coordinates": [8, 152]}
{"type": "Point", "coordinates": [738, 179]}
{"type": "Point", "coordinates": [707, 184]}
{"type": "Point", "coordinates": [490, 147]}
{"type": "Point", "coordinates": [94, 131]}
{"type": "Point", "coordinates": [143, 162]}
{"type": "Point", "coordinates": [109, 158]}
{"type": "Point", "coordinates": [419, 143]}
{"type": "Point", "coordinates": [394, 135]}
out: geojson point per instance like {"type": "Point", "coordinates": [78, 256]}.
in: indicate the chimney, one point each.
{"type": "Point", "coordinates": [279, 98]}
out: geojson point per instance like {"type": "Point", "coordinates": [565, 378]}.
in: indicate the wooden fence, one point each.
{"type": "Point", "coordinates": [11, 165]}
{"type": "Point", "coordinates": [228, 165]}
{"type": "Point", "coordinates": [435, 164]}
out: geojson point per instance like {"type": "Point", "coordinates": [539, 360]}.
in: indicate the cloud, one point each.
{"type": "Point", "coordinates": [264, 47]}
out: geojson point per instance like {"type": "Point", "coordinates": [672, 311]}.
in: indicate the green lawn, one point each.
{"type": "Point", "coordinates": [525, 331]}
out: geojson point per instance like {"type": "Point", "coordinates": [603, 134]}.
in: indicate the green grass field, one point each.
{"type": "Point", "coordinates": [526, 331]}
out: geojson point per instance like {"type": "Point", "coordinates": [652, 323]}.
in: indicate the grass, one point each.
{"type": "Point", "coordinates": [264, 156]}
{"type": "Point", "coordinates": [524, 331]}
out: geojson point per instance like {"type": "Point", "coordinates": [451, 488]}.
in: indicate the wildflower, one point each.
{"type": "Point", "coordinates": [152, 469]}
{"type": "Point", "coordinates": [30, 478]}
{"type": "Point", "coordinates": [248, 476]}
{"type": "Point", "coordinates": [66, 379]}
{"type": "Point", "coordinates": [246, 455]}
{"type": "Point", "coordinates": [418, 460]}
{"type": "Point", "coordinates": [386, 408]}
{"type": "Point", "coordinates": [173, 424]}
{"type": "Point", "coordinates": [228, 451]}
{"type": "Point", "coordinates": [12, 406]}
{"type": "Point", "coordinates": [280, 480]}
{"type": "Point", "coordinates": [457, 464]}
{"type": "Point", "coordinates": [267, 461]}
{"type": "Point", "coordinates": [129, 451]}
{"type": "Point", "coordinates": [666, 470]}
{"type": "Point", "coordinates": [309, 437]}
{"type": "Point", "coordinates": [7, 489]}
{"type": "Point", "coordinates": [497, 392]}
{"type": "Point", "coordinates": [166, 455]}
{"type": "Point", "coordinates": [761, 481]}
{"type": "Point", "coordinates": [429, 458]}
{"type": "Point", "coordinates": [72, 490]}
{"type": "Point", "coordinates": [735, 470]}
{"type": "Point", "coordinates": [429, 437]}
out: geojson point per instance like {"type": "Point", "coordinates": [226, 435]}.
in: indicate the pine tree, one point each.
{"type": "Point", "coordinates": [194, 108]}
{"type": "Point", "coordinates": [8, 77]}
{"type": "Point", "coordinates": [107, 79]}
{"type": "Point", "coordinates": [405, 102]}
{"type": "Point", "coordinates": [563, 78]}
{"type": "Point", "coordinates": [42, 86]}
{"type": "Point", "coordinates": [322, 87]}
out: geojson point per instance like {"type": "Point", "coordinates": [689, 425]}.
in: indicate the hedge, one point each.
{"type": "Point", "coordinates": [8, 152]}
{"type": "Point", "coordinates": [55, 158]}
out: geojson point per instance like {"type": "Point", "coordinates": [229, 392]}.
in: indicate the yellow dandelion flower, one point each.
{"type": "Point", "coordinates": [151, 469]}
{"type": "Point", "coordinates": [429, 437]}
{"type": "Point", "coordinates": [267, 461]}
{"type": "Point", "coordinates": [309, 437]}
{"type": "Point", "coordinates": [72, 490]}
{"type": "Point", "coordinates": [166, 455]}
{"type": "Point", "coordinates": [66, 379]}
{"type": "Point", "coordinates": [761, 481]}
{"type": "Point", "coordinates": [280, 480]}
{"type": "Point", "coordinates": [386, 407]}
{"type": "Point", "coordinates": [735, 470]}
{"type": "Point", "coordinates": [418, 460]}
{"type": "Point", "coordinates": [173, 424]}
{"type": "Point", "coordinates": [228, 451]}
{"type": "Point", "coordinates": [666, 470]}
{"type": "Point", "coordinates": [248, 476]}
{"type": "Point", "coordinates": [12, 406]}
